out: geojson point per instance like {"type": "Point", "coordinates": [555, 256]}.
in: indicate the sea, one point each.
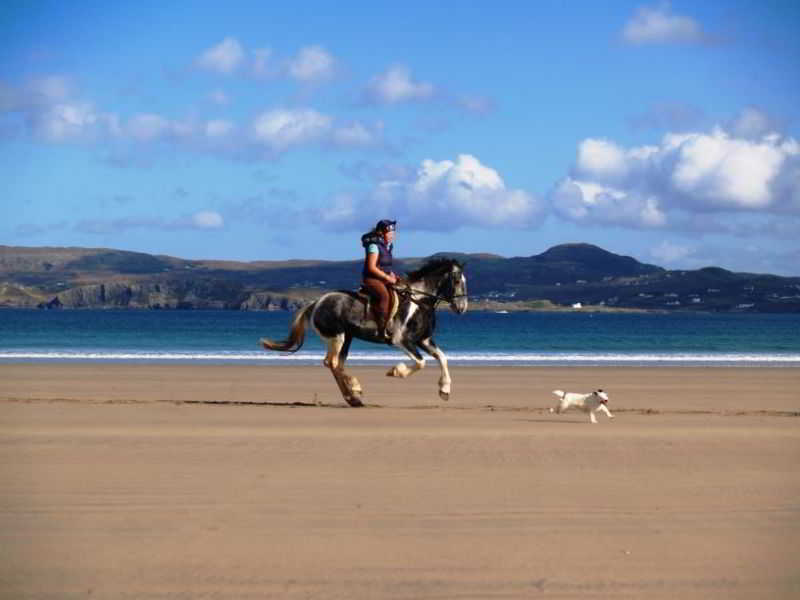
{"type": "Point", "coordinates": [474, 338]}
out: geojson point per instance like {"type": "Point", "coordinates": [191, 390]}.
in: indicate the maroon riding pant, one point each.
{"type": "Point", "coordinates": [380, 294]}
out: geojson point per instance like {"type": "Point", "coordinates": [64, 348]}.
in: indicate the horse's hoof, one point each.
{"type": "Point", "coordinates": [444, 396]}
{"type": "Point", "coordinates": [353, 401]}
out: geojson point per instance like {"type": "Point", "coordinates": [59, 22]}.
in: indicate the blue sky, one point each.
{"type": "Point", "coordinates": [668, 131]}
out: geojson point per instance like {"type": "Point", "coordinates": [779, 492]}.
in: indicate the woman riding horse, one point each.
{"type": "Point", "coordinates": [377, 274]}
{"type": "Point", "coordinates": [339, 316]}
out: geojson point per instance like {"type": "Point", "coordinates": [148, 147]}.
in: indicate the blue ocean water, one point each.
{"type": "Point", "coordinates": [512, 339]}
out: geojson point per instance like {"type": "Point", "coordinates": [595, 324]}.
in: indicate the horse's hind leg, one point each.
{"type": "Point", "coordinates": [349, 386]}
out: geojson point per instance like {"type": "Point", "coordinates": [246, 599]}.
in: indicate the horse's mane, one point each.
{"type": "Point", "coordinates": [433, 266]}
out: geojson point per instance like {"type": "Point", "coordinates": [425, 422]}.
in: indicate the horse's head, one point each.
{"type": "Point", "coordinates": [444, 279]}
{"type": "Point", "coordinates": [455, 288]}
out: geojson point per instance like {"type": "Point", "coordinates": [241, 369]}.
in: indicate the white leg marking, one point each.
{"type": "Point", "coordinates": [444, 380]}
{"type": "Point", "coordinates": [335, 345]}
{"type": "Point", "coordinates": [402, 370]}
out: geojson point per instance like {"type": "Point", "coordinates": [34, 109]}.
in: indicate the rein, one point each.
{"type": "Point", "coordinates": [408, 292]}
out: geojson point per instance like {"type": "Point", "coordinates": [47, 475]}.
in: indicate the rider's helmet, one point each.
{"type": "Point", "coordinates": [385, 225]}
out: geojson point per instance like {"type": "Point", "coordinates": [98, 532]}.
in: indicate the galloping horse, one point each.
{"type": "Point", "coordinates": [338, 317]}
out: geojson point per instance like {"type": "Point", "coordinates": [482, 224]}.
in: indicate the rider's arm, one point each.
{"type": "Point", "coordinates": [374, 270]}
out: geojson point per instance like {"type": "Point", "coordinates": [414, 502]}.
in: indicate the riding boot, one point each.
{"type": "Point", "coordinates": [388, 331]}
{"type": "Point", "coordinates": [384, 329]}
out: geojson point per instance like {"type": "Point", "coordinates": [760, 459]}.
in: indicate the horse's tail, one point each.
{"type": "Point", "coordinates": [297, 333]}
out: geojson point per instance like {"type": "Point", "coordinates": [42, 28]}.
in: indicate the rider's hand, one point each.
{"type": "Point", "coordinates": [392, 278]}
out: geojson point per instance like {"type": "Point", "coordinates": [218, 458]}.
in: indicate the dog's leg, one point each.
{"type": "Point", "coordinates": [592, 418]}
{"type": "Point", "coordinates": [604, 408]}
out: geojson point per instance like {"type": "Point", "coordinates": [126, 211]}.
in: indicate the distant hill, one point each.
{"type": "Point", "coordinates": [563, 275]}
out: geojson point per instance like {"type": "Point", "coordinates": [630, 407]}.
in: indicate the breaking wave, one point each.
{"type": "Point", "coordinates": [391, 357]}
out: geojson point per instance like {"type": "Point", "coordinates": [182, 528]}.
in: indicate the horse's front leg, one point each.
{"type": "Point", "coordinates": [402, 369]}
{"type": "Point", "coordinates": [444, 381]}
{"type": "Point", "coordinates": [349, 386]}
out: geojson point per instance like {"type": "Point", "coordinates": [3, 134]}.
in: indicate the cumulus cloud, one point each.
{"type": "Point", "coordinates": [224, 58]}
{"type": "Point", "coordinates": [205, 219]}
{"type": "Point", "coordinates": [65, 121]}
{"type": "Point", "coordinates": [48, 111]}
{"type": "Point", "coordinates": [313, 64]}
{"type": "Point", "coordinates": [396, 85]}
{"type": "Point", "coordinates": [659, 25]}
{"type": "Point", "coordinates": [441, 195]}
{"type": "Point", "coordinates": [280, 129]}
{"type": "Point", "coordinates": [686, 174]}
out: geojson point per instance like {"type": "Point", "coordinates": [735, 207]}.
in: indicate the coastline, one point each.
{"type": "Point", "coordinates": [240, 481]}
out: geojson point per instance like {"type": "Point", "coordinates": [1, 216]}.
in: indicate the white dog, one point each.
{"type": "Point", "coordinates": [589, 403]}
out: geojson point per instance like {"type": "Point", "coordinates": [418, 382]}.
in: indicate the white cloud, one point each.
{"type": "Point", "coordinates": [64, 121]}
{"type": "Point", "coordinates": [396, 85]}
{"type": "Point", "coordinates": [442, 195]}
{"type": "Point", "coordinates": [601, 157]}
{"type": "Point", "coordinates": [585, 201]}
{"type": "Point", "coordinates": [313, 64]}
{"type": "Point", "coordinates": [206, 219]}
{"type": "Point", "coordinates": [281, 129]}
{"type": "Point", "coordinates": [657, 24]}
{"type": "Point", "coordinates": [718, 171]}
{"type": "Point", "coordinates": [686, 174]}
{"type": "Point", "coordinates": [223, 58]}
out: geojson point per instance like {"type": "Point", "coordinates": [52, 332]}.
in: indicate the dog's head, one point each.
{"type": "Point", "coordinates": [602, 395]}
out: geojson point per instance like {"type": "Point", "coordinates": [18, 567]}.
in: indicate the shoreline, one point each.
{"type": "Point", "coordinates": [385, 357]}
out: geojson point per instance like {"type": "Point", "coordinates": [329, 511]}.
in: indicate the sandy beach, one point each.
{"type": "Point", "coordinates": [191, 481]}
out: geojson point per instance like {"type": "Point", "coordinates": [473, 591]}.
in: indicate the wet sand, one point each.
{"type": "Point", "coordinates": [187, 481]}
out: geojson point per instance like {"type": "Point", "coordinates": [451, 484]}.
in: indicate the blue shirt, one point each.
{"type": "Point", "coordinates": [373, 248]}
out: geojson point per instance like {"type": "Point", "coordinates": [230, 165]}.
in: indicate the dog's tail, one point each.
{"type": "Point", "coordinates": [559, 393]}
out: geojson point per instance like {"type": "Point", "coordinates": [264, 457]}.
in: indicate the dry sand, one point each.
{"type": "Point", "coordinates": [136, 481]}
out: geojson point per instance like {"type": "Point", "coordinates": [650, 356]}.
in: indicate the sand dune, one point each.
{"type": "Point", "coordinates": [143, 481]}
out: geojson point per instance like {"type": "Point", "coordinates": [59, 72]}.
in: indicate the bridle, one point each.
{"type": "Point", "coordinates": [408, 292]}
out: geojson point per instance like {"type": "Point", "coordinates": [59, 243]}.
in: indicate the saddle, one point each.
{"type": "Point", "coordinates": [369, 309]}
